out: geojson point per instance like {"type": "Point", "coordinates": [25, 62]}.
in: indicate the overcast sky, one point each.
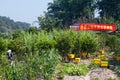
{"type": "Point", "coordinates": [23, 10]}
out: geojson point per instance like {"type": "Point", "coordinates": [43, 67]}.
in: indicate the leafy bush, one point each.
{"type": "Point", "coordinates": [88, 42]}
{"type": "Point", "coordinates": [14, 72]}
{"type": "Point", "coordinates": [46, 44]}
{"type": "Point", "coordinates": [42, 64]}
{"type": "Point", "coordinates": [117, 51]}
{"type": "Point", "coordinates": [101, 40]}
{"type": "Point", "coordinates": [73, 69]}
{"type": "Point", "coordinates": [65, 41]}
{"type": "Point", "coordinates": [111, 41]}
{"type": "Point", "coordinates": [2, 45]}
{"type": "Point", "coordinates": [17, 46]}
{"type": "Point", "coordinates": [92, 65]}
{"type": "Point", "coordinates": [16, 34]}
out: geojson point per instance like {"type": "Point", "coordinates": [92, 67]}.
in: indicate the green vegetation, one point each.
{"type": "Point", "coordinates": [2, 45]}
{"type": "Point", "coordinates": [88, 42]}
{"type": "Point", "coordinates": [39, 53]}
{"type": "Point", "coordinates": [62, 14]}
{"type": "Point", "coordinates": [73, 69]}
{"type": "Point", "coordinates": [93, 66]}
{"type": "Point", "coordinates": [105, 5]}
{"type": "Point", "coordinates": [8, 25]}
{"type": "Point", "coordinates": [70, 11]}
{"type": "Point", "coordinates": [117, 69]}
{"type": "Point", "coordinates": [45, 50]}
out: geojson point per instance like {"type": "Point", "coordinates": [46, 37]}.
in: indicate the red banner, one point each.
{"type": "Point", "coordinates": [96, 27]}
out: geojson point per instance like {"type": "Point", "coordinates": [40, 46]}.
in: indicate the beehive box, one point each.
{"type": "Point", "coordinates": [104, 63]}
{"type": "Point", "coordinates": [84, 54]}
{"type": "Point", "coordinates": [117, 58]}
{"type": "Point", "coordinates": [102, 52]}
{"type": "Point", "coordinates": [77, 60]}
{"type": "Point", "coordinates": [97, 61]}
{"type": "Point", "coordinates": [71, 56]}
{"type": "Point", "coordinates": [102, 57]}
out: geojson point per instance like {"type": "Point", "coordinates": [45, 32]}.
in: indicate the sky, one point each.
{"type": "Point", "coordinates": [23, 10]}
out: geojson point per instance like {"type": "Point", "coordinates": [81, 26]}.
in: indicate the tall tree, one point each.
{"type": "Point", "coordinates": [70, 10]}
{"type": "Point", "coordinates": [48, 23]}
{"type": "Point", "coordinates": [109, 8]}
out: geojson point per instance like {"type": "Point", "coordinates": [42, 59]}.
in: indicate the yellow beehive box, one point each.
{"type": "Point", "coordinates": [71, 56]}
{"type": "Point", "coordinates": [84, 54]}
{"type": "Point", "coordinates": [117, 58]}
{"type": "Point", "coordinates": [102, 57]}
{"type": "Point", "coordinates": [104, 63]}
{"type": "Point", "coordinates": [102, 52]}
{"type": "Point", "coordinates": [77, 60]}
{"type": "Point", "coordinates": [97, 61]}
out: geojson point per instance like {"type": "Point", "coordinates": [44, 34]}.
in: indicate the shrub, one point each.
{"type": "Point", "coordinates": [17, 47]}
{"type": "Point", "coordinates": [45, 44]}
{"type": "Point", "coordinates": [42, 64]}
{"type": "Point", "coordinates": [2, 45]}
{"type": "Point", "coordinates": [88, 42]}
{"type": "Point", "coordinates": [73, 69]}
{"type": "Point", "coordinates": [93, 65]}
{"type": "Point", "coordinates": [111, 41]}
{"type": "Point", "coordinates": [65, 41]}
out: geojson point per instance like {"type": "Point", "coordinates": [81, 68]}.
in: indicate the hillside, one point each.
{"type": "Point", "coordinates": [7, 24]}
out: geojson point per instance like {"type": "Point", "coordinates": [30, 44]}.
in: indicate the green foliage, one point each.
{"type": "Point", "coordinates": [92, 65]}
{"type": "Point", "coordinates": [88, 42]}
{"type": "Point", "coordinates": [7, 25]}
{"type": "Point", "coordinates": [117, 69]}
{"type": "Point", "coordinates": [46, 44]}
{"type": "Point", "coordinates": [3, 45]}
{"type": "Point", "coordinates": [46, 41]}
{"type": "Point", "coordinates": [69, 10]}
{"type": "Point", "coordinates": [65, 41]}
{"type": "Point", "coordinates": [29, 40]}
{"type": "Point", "coordinates": [73, 69]}
{"type": "Point", "coordinates": [50, 61]}
{"type": "Point", "coordinates": [101, 40]}
{"type": "Point", "coordinates": [17, 46]}
{"type": "Point", "coordinates": [32, 29]}
{"type": "Point", "coordinates": [42, 64]}
{"type": "Point", "coordinates": [47, 23]}
{"type": "Point", "coordinates": [117, 51]}
{"type": "Point", "coordinates": [16, 34]}
{"type": "Point", "coordinates": [111, 41]}
{"type": "Point", "coordinates": [109, 8]}
{"type": "Point", "coordinates": [14, 72]}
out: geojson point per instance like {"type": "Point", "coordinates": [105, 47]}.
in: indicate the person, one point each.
{"type": "Point", "coordinates": [10, 57]}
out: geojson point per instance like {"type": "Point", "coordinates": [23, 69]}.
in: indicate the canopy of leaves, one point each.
{"type": "Point", "coordinates": [70, 10]}
{"type": "Point", "coordinates": [48, 23]}
{"type": "Point", "coordinates": [109, 8]}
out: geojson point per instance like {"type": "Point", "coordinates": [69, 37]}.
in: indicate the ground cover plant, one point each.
{"type": "Point", "coordinates": [72, 69]}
